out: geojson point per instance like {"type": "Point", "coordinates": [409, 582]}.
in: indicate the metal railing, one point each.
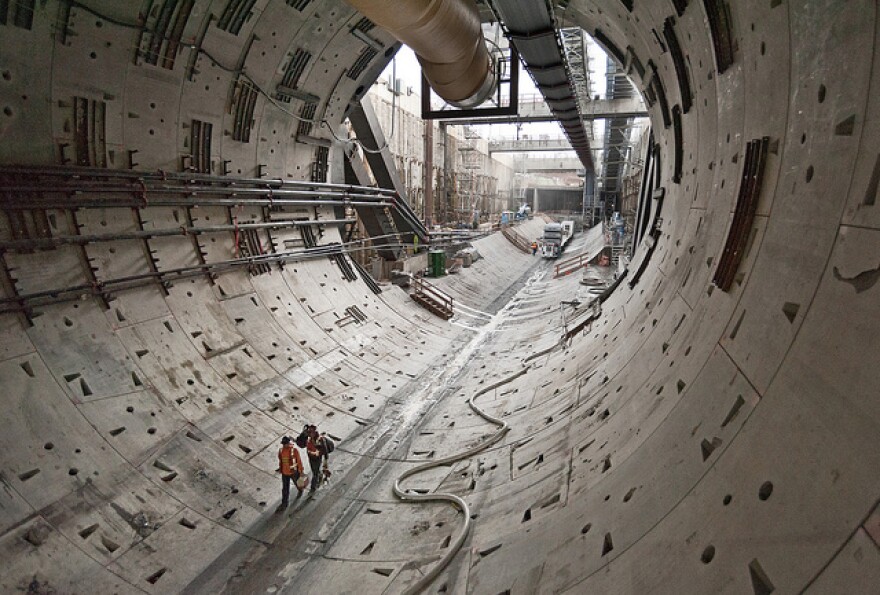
{"type": "Point", "coordinates": [516, 239]}
{"type": "Point", "coordinates": [570, 265]}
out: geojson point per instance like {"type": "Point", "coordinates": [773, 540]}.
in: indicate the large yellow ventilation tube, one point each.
{"type": "Point", "coordinates": [447, 38]}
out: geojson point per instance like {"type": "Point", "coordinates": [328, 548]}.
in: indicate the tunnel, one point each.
{"type": "Point", "coordinates": [176, 299]}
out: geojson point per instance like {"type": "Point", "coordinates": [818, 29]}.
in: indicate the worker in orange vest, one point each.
{"type": "Point", "coordinates": [291, 468]}
{"type": "Point", "coordinates": [534, 248]}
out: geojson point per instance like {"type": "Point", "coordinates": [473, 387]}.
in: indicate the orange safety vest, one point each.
{"type": "Point", "coordinates": [286, 457]}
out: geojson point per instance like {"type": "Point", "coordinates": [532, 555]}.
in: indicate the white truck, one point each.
{"type": "Point", "coordinates": [555, 238]}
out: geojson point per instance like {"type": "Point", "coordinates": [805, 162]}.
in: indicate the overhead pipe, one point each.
{"type": "Point", "coordinates": [24, 302]}
{"type": "Point", "coordinates": [78, 174]}
{"type": "Point", "coordinates": [56, 241]}
{"type": "Point", "coordinates": [447, 38]}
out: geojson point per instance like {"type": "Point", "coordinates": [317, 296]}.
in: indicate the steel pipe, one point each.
{"type": "Point", "coordinates": [78, 173]}
{"type": "Point", "coordinates": [111, 202]}
{"type": "Point", "coordinates": [277, 194]}
{"type": "Point", "coordinates": [447, 38]}
{"type": "Point", "coordinates": [24, 302]}
{"type": "Point", "coordinates": [54, 242]}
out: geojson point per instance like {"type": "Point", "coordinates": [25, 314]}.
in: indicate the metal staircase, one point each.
{"type": "Point", "coordinates": [431, 298]}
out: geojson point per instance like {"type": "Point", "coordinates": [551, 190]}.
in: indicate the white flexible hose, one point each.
{"type": "Point", "coordinates": [457, 501]}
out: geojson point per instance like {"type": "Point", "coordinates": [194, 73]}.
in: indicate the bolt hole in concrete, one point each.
{"type": "Point", "coordinates": [28, 474]}
{"type": "Point", "coordinates": [111, 546]}
{"type": "Point", "coordinates": [187, 523]}
{"type": "Point", "coordinates": [761, 584]}
{"type": "Point", "coordinates": [766, 490]}
{"type": "Point", "coordinates": [708, 554]}
{"type": "Point", "coordinates": [156, 576]}
{"type": "Point", "coordinates": [607, 544]}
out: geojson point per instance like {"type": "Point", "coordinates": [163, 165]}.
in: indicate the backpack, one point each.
{"type": "Point", "coordinates": [302, 439]}
{"type": "Point", "coordinates": [327, 445]}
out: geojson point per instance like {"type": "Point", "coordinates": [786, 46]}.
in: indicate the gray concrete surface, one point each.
{"type": "Point", "coordinates": [689, 440]}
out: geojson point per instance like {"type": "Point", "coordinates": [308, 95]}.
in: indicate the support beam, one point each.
{"type": "Point", "coordinates": [428, 184]}
{"type": "Point", "coordinates": [555, 165]}
{"type": "Point", "coordinates": [375, 222]}
{"type": "Point", "coordinates": [369, 132]}
{"type": "Point", "coordinates": [537, 110]}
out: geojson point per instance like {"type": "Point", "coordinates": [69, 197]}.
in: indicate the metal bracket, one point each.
{"type": "Point", "coordinates": [450, 112]}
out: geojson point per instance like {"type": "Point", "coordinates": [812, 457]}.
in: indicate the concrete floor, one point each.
{"type": "Point", "coordinates": [689, 440]}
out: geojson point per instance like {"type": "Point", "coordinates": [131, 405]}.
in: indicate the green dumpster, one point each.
{"type": "Point", "coordinates": [437, 263]}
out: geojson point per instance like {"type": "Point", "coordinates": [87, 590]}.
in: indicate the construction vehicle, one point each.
{"type": "Point", "coordinates": [555, 238]}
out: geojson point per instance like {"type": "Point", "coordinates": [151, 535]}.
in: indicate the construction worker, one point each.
{"type": "Point", "coordinates": [534, 248]}
{"type": "Point", "coordinates": [317, 451]}
{"type": "Point", "coordinates": [291, 468]}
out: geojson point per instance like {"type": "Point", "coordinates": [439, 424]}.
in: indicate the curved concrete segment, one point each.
{"type": "Point", "coordinates": [689, 439]}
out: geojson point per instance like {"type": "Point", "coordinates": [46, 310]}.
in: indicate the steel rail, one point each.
{"type": "Point", "coordinates": [53, 242]}
{"type": "Point", "coordinates": [121, 202]}
{"type": "Point", "coordinates": [192, 189]}
{"type": "Point", "coordinates": [23, 302]}
{"type": "Point", "coordinates": [97, 172]}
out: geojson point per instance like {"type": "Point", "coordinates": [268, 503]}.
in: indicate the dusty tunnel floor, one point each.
{"type": "Point", "coordinates": [353, 529]}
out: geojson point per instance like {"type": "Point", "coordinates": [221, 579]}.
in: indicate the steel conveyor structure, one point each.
{"type": "Point", "coordinates": [532, 30]}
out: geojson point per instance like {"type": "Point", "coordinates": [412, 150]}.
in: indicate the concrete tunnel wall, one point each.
{"type": "Point", "coordinates": [700, 440]}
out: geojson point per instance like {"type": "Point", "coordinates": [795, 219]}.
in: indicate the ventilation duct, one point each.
{"type": "Point", "coordinates": [447, 38]}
